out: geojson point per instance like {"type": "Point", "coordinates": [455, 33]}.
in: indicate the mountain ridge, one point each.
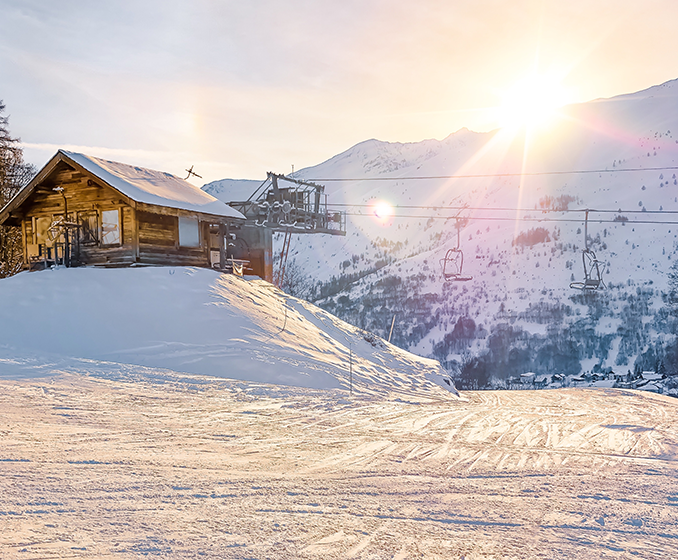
{"type": "Point", "coordinates": [392, 267]}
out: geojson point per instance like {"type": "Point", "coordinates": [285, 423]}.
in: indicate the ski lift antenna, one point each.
{"type": "Point", "coordinates": [191, 172]}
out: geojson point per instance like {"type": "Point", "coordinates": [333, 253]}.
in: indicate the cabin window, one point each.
{"type": "Point", "coordinates": [89, 227]}
{"type": "Point", "coordinates": [110, 227]}
{"type": "Point", "coordinates": [42, 236]}
{"type": "Point", "coordinates": [189, 232]}
{"type": "Point", "coordinates": [49, 230]}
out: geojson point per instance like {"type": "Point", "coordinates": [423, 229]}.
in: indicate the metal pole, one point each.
{"type": "Point", "coordinates": [283, 257]}
{"type": "Point", "coordinates": [458, 228]}
{"type": "Point", "coordinates": [67, 252]}
{"type": "Point", "coordinates": [350, 368]}
{"type": "Point", "coordinates": [66, 256]}
{"type": "Point", "coordinates": [392, 324]}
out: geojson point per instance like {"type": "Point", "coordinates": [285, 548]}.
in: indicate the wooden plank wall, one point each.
{"type": "Point", "coordinates": [159, 242]}
{"type": "Point", "coordinates": [158, 230]}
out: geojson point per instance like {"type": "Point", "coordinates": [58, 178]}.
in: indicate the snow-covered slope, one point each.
{"type": "Point", "coordinates": [392, 267]}
{"type": "Point", "coordinates": [198, 321]}
{"type": "Point", "coordinates": [230, 190]}
{"type": "Point", "coordinates": [150, 464]}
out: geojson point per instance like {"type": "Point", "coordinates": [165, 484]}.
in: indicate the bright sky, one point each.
{"type": "Point", "coordinates": [237, 88]}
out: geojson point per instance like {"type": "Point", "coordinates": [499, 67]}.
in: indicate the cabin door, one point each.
{"type": "Point", "coordinates": [54, 241]}
{"type": "Point", "coordinates": [48, 244]}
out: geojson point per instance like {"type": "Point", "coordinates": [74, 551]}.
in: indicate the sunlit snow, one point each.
{"type": "Point", "coordinates": [116, 444]}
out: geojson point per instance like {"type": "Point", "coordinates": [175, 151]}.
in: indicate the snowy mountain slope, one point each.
{"type": "Point", "coordinates": [230, 190]}
{"type": "Point", "coordinates": [392, 267]}
{"type": "Point", "coordinates": [606, 134]}
{"type": "Point", "coordinates": [199, 321]}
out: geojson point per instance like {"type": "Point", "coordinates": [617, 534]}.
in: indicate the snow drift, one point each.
{"type": "Point", "coordinates": [203, 322]}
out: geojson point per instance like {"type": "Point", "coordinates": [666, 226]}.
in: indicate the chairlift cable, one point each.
{"type": "Point", "coordinates": [506, 209]}
{"type": "Point", "coordinates": [490, 175]}
{"type": "Point", "coordinates": [520, 219]}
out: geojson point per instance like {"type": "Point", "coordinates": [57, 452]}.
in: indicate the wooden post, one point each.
{"type": "Point", "coordinates": [222, 248]}
{"type": "Point", "coordinates": [228, 248]}
{"type": "Point", "coordinates": [135, 233]}
{"type": "Point", "coordinates": [24, 243]}
{"type": "Point", "coordinates": [67, 248]}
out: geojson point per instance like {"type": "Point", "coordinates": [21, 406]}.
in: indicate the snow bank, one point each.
{"type": "Point", "coordinates": [198, 321]}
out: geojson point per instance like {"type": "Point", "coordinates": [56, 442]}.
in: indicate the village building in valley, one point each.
{"type": "Point", "coordinates": [82, 210]}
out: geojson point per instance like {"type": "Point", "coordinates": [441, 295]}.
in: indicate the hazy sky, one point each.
{"type": "Point", "coordinates": [241, 87]}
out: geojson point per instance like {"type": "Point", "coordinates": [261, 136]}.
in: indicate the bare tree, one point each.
{"type": "Point", "coordinates": [296, 282]}
{"type": "Point", "coordinates": [14, 174]}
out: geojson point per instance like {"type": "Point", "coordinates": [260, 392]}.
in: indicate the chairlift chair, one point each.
{"type": "Point", "coordinates": [593, 276]}
{"type": "Point", "coordinates": [453, 263]}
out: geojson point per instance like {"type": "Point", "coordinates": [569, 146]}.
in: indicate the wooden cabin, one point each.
{"type": "Point", "coordinates": [82, 210]}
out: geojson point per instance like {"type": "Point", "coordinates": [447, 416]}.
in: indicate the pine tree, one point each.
{"type": "Point", "coordinates": [671, 300]}
{"type": "Point", "coordinates": [671, 297]}
{"type": "Point", "coordinates": [14, 174]}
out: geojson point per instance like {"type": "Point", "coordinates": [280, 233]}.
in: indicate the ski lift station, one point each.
{"type": "Point", "coordinates": [81, 210]}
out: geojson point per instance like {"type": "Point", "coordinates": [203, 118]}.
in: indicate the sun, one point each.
{"type": "Point", "coordinates": [532, 102]}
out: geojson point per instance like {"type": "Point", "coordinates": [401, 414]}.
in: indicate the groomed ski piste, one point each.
{"type": "Point", "coordinates": [182, 413]}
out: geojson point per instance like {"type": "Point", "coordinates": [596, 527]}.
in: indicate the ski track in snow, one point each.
{"type": "Point", "coordinates": [129, 462]}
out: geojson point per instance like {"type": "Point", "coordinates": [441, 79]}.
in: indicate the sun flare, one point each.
{"type": "Point", "coordinates": [532, 102]}
{"type": "Point", "coordinates": [382, 210]}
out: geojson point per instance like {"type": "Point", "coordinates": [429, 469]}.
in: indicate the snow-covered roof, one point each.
{"type": "Point", "coordinates": [152, 187]}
